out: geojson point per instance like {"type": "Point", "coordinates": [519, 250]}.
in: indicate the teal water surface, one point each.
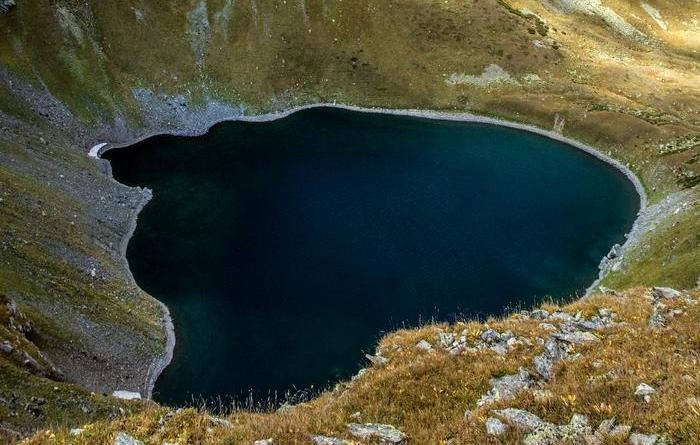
{"type": "Point", "coordinates": [285, 249]}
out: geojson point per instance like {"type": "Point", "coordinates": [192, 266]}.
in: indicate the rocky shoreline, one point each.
{"type": "Point", "coordinates": [200, 125]}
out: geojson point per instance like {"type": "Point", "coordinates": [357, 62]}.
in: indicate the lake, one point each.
{"type": "Point", "coordinates": [285, 249]}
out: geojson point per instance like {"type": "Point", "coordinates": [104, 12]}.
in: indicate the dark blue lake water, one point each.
{"type": "Point", "coordinates": [285, 249]}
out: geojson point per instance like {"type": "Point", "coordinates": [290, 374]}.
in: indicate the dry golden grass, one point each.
{"type": "Point", "coordinates": [426, 394]}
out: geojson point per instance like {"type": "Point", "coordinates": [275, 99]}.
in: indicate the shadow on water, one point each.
{"type": "Point", "coordinates": [285, 249]}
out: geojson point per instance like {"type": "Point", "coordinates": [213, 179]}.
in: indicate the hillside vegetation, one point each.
{"type": "Point", "coordinates": [620, 75]}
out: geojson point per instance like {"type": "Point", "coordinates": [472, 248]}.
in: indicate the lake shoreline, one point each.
{"type": "Point", "coordinates": [157, 367]}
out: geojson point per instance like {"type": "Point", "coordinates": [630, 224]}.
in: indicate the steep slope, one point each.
{"type": "Point", "coordinates": [619, 75]}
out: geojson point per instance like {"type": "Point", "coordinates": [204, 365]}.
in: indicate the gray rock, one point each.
{"type": "Point", "coordinates": [642, 439]}
{"type": "Point", "coordinates": [377, 431]}
{"type": "Point", "coordinates": [657, 319]}
{"type": "Point", "coordinates": [76, 431]}
{"type": "Point", "coordinates": [490, 336]}
{"type": "Point", "coordinates": [6, 347]}
{"type": "Point", "coordinates": [554, 350]}
{"type": "Point", "coordinates": [125, 439]}
{"type": "Point", "coordinates": [644, 392]}
{"type": "Point", "coordinates": [495, 427]}
{"type": "Point", "coordinates": [446, 339]}
{"type": "Point", "coordinates": [539, 314]}
{"type": "Point", "coordinates": [423, 345]}
{"type": "Point", "coordinates": [605, 427]}
{"type": "Point", "coordinates": [666, 293]}
{"type": "Point", "coordinates": [521, 419]}
{"type": "Point", "coordinates": [506, 387]}
{"type": "Point", "coordinates": [263, 442]}
{"type": "Point", "coordinates": [544, 366]}
{"type": "Point", "coordinates": [126, 395]}
{"type": "Point", "coordinates": [326, 440]}
{"type": "Point", "coordinates": [377, 360]}
{"type": "Point", "coordinates": [576, 337]}
{"type": "Point", "coordinates": [620, 431]}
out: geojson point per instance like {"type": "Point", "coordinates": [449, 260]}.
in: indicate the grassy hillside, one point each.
{"type": "Point", "coordinates": [619, 75]}
{"type": "Point", "coordinates": [432, 395]}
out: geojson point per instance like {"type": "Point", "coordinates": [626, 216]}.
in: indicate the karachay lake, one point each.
{"type": "Point", "coordinates": [285, 249]}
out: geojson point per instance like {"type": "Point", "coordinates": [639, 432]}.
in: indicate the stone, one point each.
{"type": "Point", "coordinates": [6, 347]}
{"type": "Point", "coordinates": [666, 293]}
{"type": "Point", "coordinates": [326, 440]}
{"type": "Point", "coordinates": [377, 431]}
{"type": "Point", "coordinates": [553, 350]}
{"type": "Point", "coordinates": [520, 419]}
{"type": "Point", "coordinates": [644, 392]}
{"type": "Point", "coordinates": [495, 427]}
{"type": "Point", "coordinates": [542, 395]}
{"type": "Point", "coordinates": [539, 314]}
{"type": "Point", "coordinates": [446, 339]}
{"type": "Point", "coordinates": [125, 439]}
{"type": "Point", "coordinates": [377, 360]}
{"type": "Point", "coordinates": [544, 366]}
{"type": "Point", "coordinates": [642, 439]}
{"type": "Point", "coordinates": [490, 336]}
{"type": "Point", "coordinates": [506, 387]}
{"type": "Point", "coordinates": [577, 337]}
{"type": "Point", "coordinates": [263, 442]}
{"type": "Point", "coordinates": [620, 431]}
{"type": "Point", "coordinates": [126, 395]}
{"type": "Point", "coordinates": [76, 431]}
{"type": "Point", "coordinates": [605, 427]}
{"type": "Point", "coordinates": [424, 345]}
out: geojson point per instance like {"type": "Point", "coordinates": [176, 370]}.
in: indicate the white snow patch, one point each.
{"type": "Point", "coordinates": [95, 151]}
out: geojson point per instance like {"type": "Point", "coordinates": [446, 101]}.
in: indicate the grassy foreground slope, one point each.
{"type": "Point", "coordinates": [432, 395]}
{"type": "Point", "coordinates": [620, 75]}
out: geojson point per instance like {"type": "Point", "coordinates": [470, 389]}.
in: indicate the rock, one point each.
{"type": "Point", "coordinates": [126, 395]}
{"type": "Point", "coordinates": [539, 314]}
{"type": "Point", "coordinates": [542, 395]}
{"type": "Point", "coordinates": [644, 392]}
{"type": "Point", "coordinates": [657, 320]}
{"type": "Point", "coordinates": [7, 5]}
{"type": "Point", "coordinates": [520, 419]}
{"type": "Point", "coordinates": [561, 316]}
{"type": "Point", "coordinates": [217, 421]}
{"type": "Point", "coordinates": [125, 439]}
{"type": "Point", "coordinates": [642, 439]}
{"type": "Point", "coordinates": [576, 337]}
{"type": "Point", "coordinates": [423, 345]}
{"type": "Point", "coordinates": [605, 427]}
{"type": "Point", "coordinates": [76, 431]}
{"type": "Point", "coordinates": [620, 431]}
{"type": "Point", "coordinates": [490, 336]}
{"type": "Point", "coordinates": [446, 339]}
{"type": "Point", "coordinates": [544, 366]}
{"type": "Point", "coordinates": [263, 442]}
{"type": "Point", "coordinates": [6, 347]}
{"type": "Point", "coordinates": [378, 431]}
{"type": "Point", "coordinates": [666, 293]}
{"type": "Point", "coordinates": [495, 427]}
{"type": "Point", "coordinates": [554, 351]}
{"type": "Point", "coordinates": [325, 440]}
{"type": "Point", "coordinates": [377, 360]}
{"type": "Point", "coordinates": [506, 387]}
